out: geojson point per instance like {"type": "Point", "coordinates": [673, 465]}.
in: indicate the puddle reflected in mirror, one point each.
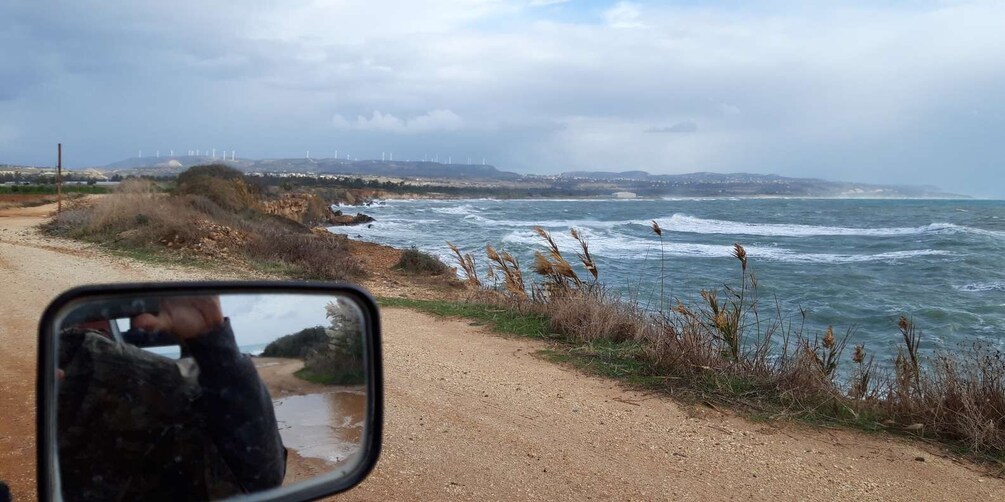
{"type": "Point", "coordinates": [321, 425]}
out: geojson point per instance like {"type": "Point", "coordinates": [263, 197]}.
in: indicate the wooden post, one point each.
{"type": "Point", "coordinates": [59, 177]}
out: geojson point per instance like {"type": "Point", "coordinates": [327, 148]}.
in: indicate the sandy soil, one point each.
{"type": "Point", "coordinates": [476, 416]}
{"type": "Point", "coordinates": [277, 373]}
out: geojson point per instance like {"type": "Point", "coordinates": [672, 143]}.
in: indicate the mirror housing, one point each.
{"type": "Point", "coordinates": [115, 301]}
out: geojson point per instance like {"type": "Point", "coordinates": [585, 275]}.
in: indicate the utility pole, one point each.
{"type": "Point", "coordinates": [59, 178]}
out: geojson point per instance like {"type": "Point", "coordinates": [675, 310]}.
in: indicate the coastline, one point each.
{"type": "Point", "coordinates": [453, 388]}
{"type": "Point", "coordinates": [563, 198]}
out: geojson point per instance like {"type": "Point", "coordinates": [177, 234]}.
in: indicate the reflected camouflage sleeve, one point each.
{"type": "Point", "coordinates": [239, 411]}
{"type": "Point", "coordinates": [128, 427]}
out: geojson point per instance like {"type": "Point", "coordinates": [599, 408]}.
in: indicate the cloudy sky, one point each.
{"type": "Point", "coordinates": [880, 91]}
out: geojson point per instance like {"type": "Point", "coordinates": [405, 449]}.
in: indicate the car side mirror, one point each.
{"type": "Point", "coordinates": [208, 390]}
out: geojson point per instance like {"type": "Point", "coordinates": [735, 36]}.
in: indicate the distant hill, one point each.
{"type": "Point", "coordinates": [574, 183]}
{"type": "Point", "coordinates": [745, 184]}
{"type": "Point", "coordinates": [399, 169]}
{"type": "Point", "coordinates": [605, 175]}
{"type": "Point", "coordinates": [395, 168]}
{"type": "Point", "coordinates": [169, 164]}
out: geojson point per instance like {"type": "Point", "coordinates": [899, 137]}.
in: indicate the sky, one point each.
{"type": "Point", "coordinates": [909, 92]}
{"type": "Point", "coordinates": [262, 318]}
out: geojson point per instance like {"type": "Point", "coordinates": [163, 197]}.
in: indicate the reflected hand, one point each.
{"type": "Point", "coordinates": [184, 318]}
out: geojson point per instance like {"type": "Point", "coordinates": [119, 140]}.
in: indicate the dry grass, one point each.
{"type": "Point", "coordinates": [726, 346]}
{"type": "Point", "coordinates": [467, 264]}
{"type": "Point", "coordinates": [139, 216]}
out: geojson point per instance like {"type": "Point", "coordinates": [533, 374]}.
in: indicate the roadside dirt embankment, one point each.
{"type": "Point", "coordinates": [473, 416]}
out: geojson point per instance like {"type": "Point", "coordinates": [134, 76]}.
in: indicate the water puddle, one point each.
{"type": "Point", "coordinates": [326, 426]}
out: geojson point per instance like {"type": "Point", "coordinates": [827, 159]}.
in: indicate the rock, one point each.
{"type": "Point", "coordinates": [346, 220]}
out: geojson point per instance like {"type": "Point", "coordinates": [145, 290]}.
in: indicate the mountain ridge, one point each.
{"type": "Point", "coordinates": [643, 183]}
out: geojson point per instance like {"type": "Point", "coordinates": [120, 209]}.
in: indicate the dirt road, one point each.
{"type": "Point", "coordinates": [33, 270]}
{"type": "Point", "coordinates": [473, 416]}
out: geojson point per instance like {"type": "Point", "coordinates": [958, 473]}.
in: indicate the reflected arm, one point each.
{"type": "Point", "coordinates": [239, 410]}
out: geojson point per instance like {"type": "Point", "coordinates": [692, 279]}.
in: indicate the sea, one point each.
{"type": "Point", "coordinates": [852, 264]}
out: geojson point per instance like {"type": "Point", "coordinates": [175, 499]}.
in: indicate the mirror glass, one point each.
{"type": "Point", "coordinates": [198, 396]}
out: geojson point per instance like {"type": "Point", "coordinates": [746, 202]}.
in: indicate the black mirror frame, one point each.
{"type": "Point", "coordinates": [45, 380]}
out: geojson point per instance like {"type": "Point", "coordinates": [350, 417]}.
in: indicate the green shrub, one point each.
{"type": "Point", "coordinates": [332, 355]}
{"type": "Point", "coordinates": [414, 261]}
{"type": "Point", "coordinates": [297, 345]}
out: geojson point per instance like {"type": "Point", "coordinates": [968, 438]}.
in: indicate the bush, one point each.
{"type": "Point", "coordinates": [594, 316]}
{"type": "Point", "coordinates": [297, 345]}
{"type": "Point", "coordinates": [333, 355]}
{"type": "Point", "coordinates": [414, 261]}
{"type": "Point", "coordinates": [225, 186]}
{"type": "Point", "coordinates": [319, 256]}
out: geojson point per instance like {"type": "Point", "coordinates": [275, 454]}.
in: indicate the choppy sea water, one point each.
{"type": "Point", "coordinates": [851, 264]}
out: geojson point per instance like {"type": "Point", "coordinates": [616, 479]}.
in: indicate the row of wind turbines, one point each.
{"type": "Point", "coordinates": [211, 152]}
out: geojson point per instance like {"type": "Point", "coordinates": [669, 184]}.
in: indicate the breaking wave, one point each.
{"type": "Point", "coordinates": [626, 248]}
{"type": "Point", "coordinates": [690, 224]}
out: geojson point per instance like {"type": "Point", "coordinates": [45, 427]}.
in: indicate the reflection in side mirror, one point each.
{"type": "Point", "coordinates": [206, 391]}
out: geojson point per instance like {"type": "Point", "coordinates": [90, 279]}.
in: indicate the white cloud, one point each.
{"type": "Point", "coordinates": [436, 120]}
{"type": "Point", "coordinates": [729, 110]}
{"type": "Point", "coordinates": [624, 15]}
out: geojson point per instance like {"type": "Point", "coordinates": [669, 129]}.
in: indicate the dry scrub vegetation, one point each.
{"type": "Point", "coordinates": [727, 348]}
{"type": "Point", "coordinates": [213, 212]}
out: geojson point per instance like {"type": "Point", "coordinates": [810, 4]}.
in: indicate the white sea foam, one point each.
{"type": "Point", "coordinates": [605, 245]}
{"type": "Point", "coordinates": [690, 224]}
{"type": "Point", "coordinates": [980, 287]}
{"type": "Point", "coordinates": [555, 225]}
{"type": "Point", "coordinates": [461, 209]}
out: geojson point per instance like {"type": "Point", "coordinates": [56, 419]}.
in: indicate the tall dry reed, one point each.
{"type": "Point", "coordinates": [726, 345]}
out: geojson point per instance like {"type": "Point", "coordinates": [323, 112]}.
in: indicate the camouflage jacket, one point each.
{"type": "Point", "coordinates": [136, 425]}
